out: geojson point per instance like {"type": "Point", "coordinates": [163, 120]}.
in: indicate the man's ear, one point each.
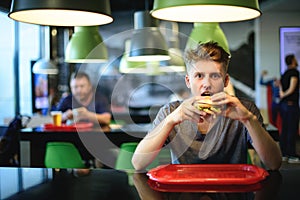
{"type": "Point", "coordinates": [187, 81]}
{"type": "Point", "coordinates": [226, 81]}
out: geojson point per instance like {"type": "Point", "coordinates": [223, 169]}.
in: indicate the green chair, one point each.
{"type": "Point", "coordinates": [123, 161]}
{"type": "Point", "coordinates": [62, 155]}
{"type": "Point", "coordinates": [164, 156]}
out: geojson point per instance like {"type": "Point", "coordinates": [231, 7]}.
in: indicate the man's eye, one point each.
{"type": "Point", "coordinates": [199, 75]}
{"type": "Point", "coordinates": [215, 76]}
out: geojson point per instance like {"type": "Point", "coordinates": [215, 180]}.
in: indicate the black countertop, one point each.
{"type": "Point", "coordinates": [111, 184]}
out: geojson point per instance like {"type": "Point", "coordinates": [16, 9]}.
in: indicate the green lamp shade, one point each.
{"type": "Point", "coordinates": [147, 42]}
{"type": "Point", "coordinates": [86, 46]}
{"type": "Point", "coordinates": [137, 67]}
{"type": "Point", "coordinates": [44, 66]}
{"type": "Point", "coordinates": [175, 64]}
{"type": "Point", "coordinates": [126, 66]}
{"type": "Point", "coordinates": [131, 67]}
{"type": "Point", "coordinates": [61, 12]}
{"type": "Point", "coordinates": [205, 32]}
{"type": "Point", "coordinates": [205, 10]}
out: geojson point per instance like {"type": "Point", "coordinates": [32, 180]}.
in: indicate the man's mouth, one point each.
{"type": "Point", "coordinates": [206, 94]}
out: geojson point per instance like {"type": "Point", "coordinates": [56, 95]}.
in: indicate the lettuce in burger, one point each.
{"type": "Point", "coordinates": [206, 105]}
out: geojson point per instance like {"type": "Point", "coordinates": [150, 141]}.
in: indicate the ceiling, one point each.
{"type": "Point", "coordinates": [280, 5]}
{"type": "Point", "coordinates": [133, 5]}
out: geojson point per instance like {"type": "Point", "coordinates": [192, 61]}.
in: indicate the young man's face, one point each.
{"type": "Point", "coordinates": [206, 77]}
{"type": "Point", "coordinates": [81, 88]}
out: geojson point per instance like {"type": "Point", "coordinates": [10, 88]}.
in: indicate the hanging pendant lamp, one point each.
{"type": "Point", "coordinates": [126, 66]}
{"type": "Point", "coordinates": [86, 46]}
{"type": "Point", "coordinates": [61, 12]}
{"type": "Point", "coordinates": [147, 42]}
{"type": "Point", "coordinates": [44, 66]}
{"type": "Point", "coordinates": [205, 10]}
{"type": "Point", "coordinates": [176, 62]}
{"type": "Point", "coordinates": [205, 32]}
{"type": "Point", "coordinates": [137, 67]}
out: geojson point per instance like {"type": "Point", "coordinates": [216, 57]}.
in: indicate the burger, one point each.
{"type": "Point", "coordinates": [207, 106]}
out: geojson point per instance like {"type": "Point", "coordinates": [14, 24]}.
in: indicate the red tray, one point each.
{"type": "Point", "coordinates": [73, 127]}
{"type": "Point", "coordinates": [208, 174]}
{"type": "Point", "coordinates": [204, 188]}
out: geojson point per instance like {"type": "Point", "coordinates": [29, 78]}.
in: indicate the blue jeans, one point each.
{"type": "Point", "coordinates": [289, 131]}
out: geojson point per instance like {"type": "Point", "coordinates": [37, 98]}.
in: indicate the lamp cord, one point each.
{"type": "Point", "coordinates": [146, 4]}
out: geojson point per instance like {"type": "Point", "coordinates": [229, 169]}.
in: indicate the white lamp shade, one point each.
{"type": "Point", "coordinates": [44, 66]}
{"type": "Point", "coordinates": [61, 12]}
{"type": "Point", "coordinates": [205, 10]}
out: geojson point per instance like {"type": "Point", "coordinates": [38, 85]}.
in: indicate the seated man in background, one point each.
{"type": "Point", "coordinates": [82, 104]}
{"type": "Point", "coordinates": [216, 133]}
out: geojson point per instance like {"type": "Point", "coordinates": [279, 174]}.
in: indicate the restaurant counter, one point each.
{"type": "Point", "coordinates": [111, 184]}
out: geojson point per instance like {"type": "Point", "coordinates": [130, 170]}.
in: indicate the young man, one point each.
{"type": "Point", "coordinates": [208, 136]}
{"type": "Point", "coordinates": [83, 102]}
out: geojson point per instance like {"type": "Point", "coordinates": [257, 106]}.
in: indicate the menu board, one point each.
{"type": "Point", "coordinates": [289, 44]}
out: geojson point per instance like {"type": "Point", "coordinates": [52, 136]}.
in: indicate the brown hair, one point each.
{"type": "Point", "coordinates": [80, 75]}
{"type": "Point", "coordinates": [209, 51]}
{"type": "Point", "coordinates": [289, 59]}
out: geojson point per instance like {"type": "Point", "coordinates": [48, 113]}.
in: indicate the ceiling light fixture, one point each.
{"type": "Point", "coordinates": [44, 66]}
{"type": "Point", "coordinates": [205, 10]}
{"type": "Point", "coordinates": [86, 46]}
{"type": "Point", "coordinates": [137, 67]}
{"type": "Point", "coordinates": [176, 63]}
{"type": "Point", "coordinates": [126, 66]}
{"type": "Point", "coordinates": [61, 12]}
{"type": "Point", "coordinates": [147, 42]}
{"type": "Point", "coordinates": [205, 32]}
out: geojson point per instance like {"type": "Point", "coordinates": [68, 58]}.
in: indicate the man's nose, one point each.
{"type": "Point", "coordinates": [78, 90]}
{"type": "Point", "coordinates": [206, 82]}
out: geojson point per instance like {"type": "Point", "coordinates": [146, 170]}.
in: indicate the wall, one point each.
{"type": "Point", "coordinates": [237, 32]}
{"type": "Point", "coordinates": [267, 46]}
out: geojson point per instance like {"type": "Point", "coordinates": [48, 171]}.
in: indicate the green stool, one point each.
{"type": "Point", "coordinates": [123, 161]}
{"type": "Point", "coordinates": [61, 155]}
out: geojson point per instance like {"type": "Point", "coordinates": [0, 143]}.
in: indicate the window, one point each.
{"type": "Point", "coordinates": [28, 49]}
{"type": "Point", "coordinates": [7, 95]}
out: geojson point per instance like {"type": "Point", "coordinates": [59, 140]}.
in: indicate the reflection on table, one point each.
{"type": "Point", "coordinates": [111, 184]}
